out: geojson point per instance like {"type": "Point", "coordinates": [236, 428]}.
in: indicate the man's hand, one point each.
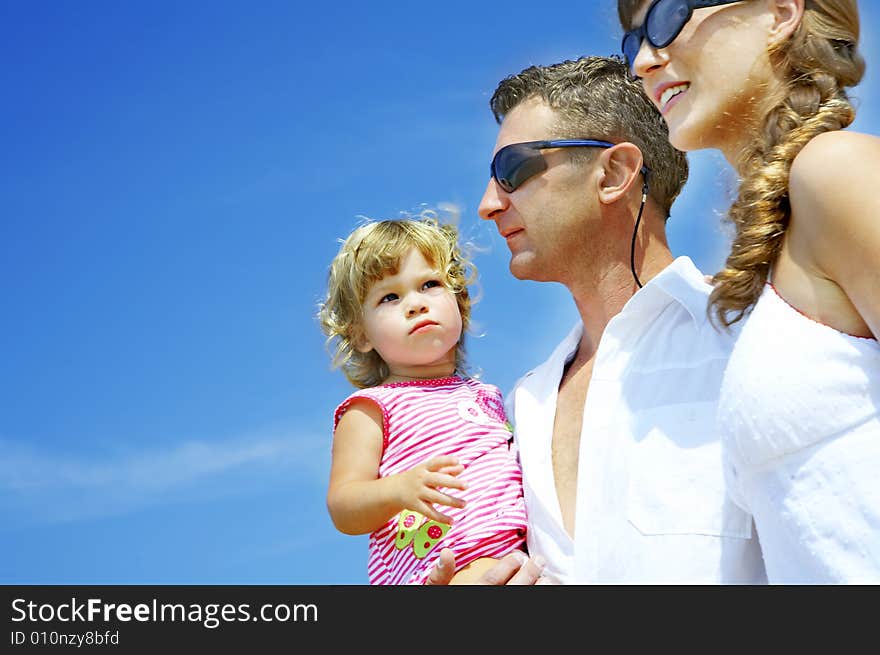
{"type": "Point", "coordinates": [513, 569]}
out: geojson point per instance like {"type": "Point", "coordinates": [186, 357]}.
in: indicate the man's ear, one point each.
{"type": "Point", "coordinates": [787, 15]}
{"type": "Point", "coordinates": [621, 165]}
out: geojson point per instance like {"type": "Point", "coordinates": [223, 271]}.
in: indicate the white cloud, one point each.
{"type": "Point", "coordinates": [40, 486]}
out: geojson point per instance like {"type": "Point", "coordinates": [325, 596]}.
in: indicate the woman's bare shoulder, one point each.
{"type": "Point", "coordinates": [837, 155]}
{"type": "Point", "coordinates": [835, 170]}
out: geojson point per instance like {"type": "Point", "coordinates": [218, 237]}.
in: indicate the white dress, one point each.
{"type": "Point", "coordinates": [799, 417]}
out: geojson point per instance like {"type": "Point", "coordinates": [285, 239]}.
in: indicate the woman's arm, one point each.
{"type": "Point", "coordinates": [834, 189]}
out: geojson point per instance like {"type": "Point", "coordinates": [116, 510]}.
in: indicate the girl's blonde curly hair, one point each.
{"type": "Point", "coordinates": [372, 251]}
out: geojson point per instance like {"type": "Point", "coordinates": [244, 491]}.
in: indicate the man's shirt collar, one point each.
{"type": "Point", "coordinates": [682, 282]}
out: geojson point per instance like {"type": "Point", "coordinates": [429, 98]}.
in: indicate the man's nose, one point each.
{"type": "Point", "coordinates": [494, 202]}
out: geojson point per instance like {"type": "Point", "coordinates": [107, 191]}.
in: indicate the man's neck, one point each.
{"type": "Point", "coordinates": [602, 296]}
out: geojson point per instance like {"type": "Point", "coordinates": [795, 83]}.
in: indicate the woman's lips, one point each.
{"type": "Point", "coordinates": [668, 94]}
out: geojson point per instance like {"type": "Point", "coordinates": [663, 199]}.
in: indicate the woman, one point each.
{"type": "Point", "coordinates": [764, 82]}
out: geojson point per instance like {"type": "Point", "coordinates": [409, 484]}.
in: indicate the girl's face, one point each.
{"type": "Point", "coordinates": [707, 83]}
{"type": "Point", "coordinates": [412, 320]}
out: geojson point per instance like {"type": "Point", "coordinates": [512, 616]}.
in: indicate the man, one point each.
{"type": "Point", "coordinates": [616, 430]}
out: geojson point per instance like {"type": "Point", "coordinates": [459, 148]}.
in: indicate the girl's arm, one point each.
{"type": "Point", "coordinates": [834, 189]}
{"type": "Point", "coordinates": [359, 500]}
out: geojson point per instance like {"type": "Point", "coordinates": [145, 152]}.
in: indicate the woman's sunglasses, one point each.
{"type": "Point", "coordinates": [663, 22]}
{"type": "Point", "coordinates": [518, 162]}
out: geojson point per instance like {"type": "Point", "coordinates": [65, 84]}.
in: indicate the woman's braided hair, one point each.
{"type": "Point", "coordinates": [819, 61]}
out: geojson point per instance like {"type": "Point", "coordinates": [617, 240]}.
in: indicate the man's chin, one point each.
{"type": "Point", "coordinates": [523, 273]}
{"type": "Point", "coordinates": [523, 270]}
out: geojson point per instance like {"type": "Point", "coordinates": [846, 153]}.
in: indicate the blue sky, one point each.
{"type": "Point", "coordinates": [175, 179]}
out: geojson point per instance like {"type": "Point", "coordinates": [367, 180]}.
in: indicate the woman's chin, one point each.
{"type": "Point", "coordinates": [683, 137]}
{"type": "Point", "coordinates": [678, 142]}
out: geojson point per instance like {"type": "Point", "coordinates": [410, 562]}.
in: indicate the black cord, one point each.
{"type": "Point", "coordinates": [632, 250]}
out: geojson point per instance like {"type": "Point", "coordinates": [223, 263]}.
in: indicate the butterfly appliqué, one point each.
{"type": "Point", "coordinates": [492, 405]}
{"type": "Point", "coordinates": [424, 535]}
{"type": "Point", "coordinates": [485, 410]}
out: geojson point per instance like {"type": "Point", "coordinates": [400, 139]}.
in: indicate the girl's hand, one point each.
{"type": "Point", "coordinates": [418, 488]}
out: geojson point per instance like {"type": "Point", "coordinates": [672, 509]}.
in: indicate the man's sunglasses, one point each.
{"type": "Point", "coordinates": [663, 22]}
{"type": "Point", "coordinates": [518, 162]}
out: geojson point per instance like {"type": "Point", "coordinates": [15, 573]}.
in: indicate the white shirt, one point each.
{"type": "Point", "coordinates": [651, 501]}
{"type": "Point", "coordinates": [799, 419]}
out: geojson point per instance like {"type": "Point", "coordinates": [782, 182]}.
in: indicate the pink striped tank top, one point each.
{"type": "Point", "coordinates": [446, 416]}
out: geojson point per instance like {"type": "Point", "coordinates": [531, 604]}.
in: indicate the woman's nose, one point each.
{"type": "Point", "coordinates": [648, 59]}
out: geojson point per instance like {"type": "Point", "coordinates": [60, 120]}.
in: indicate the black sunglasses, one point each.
{"type": "Point", "coordinates": [518, 162]}
{"type": "Point", "coordinates": [663, 22]}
